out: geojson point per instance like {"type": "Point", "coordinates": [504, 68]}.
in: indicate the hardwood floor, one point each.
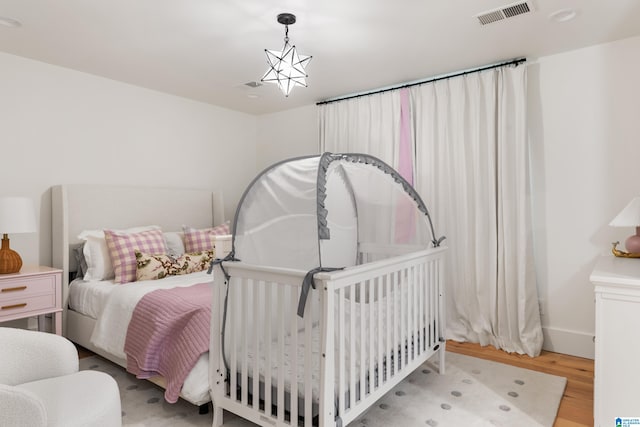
{"type": "Point", "coordinates": [576, 407]}
{"type": "Point", "coordinates": [83, 352]}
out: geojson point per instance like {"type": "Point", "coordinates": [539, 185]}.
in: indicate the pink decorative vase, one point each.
{"type": "Point", "coordinates": [633, 242]}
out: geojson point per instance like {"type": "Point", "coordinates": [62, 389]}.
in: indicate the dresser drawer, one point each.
{"type": "Point", "coordinates": [27, 287]}
{"type": "Point", "coordinates": [10, 308]}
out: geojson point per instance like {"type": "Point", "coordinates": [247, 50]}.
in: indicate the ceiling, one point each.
{"type": "Point", "coordinates": [208, 49]}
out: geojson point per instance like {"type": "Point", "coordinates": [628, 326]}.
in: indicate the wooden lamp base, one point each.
{"type": "Point", "coordinates": [10, 261]}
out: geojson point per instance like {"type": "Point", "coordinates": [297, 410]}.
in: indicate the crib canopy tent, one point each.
{"type": "Point", "coordinates": [314, 212]}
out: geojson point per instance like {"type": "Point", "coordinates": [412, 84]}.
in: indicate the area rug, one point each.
{"type": "Point", "coordinates": [473, 392]}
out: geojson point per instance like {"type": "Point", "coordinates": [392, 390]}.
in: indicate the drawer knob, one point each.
{"type": "Point", "coordinates": [17, 288]}
{"type": "Point", "coordinates": [9, 307]}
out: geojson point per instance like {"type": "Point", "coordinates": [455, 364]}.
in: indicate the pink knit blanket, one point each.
{"type": "Point", "coordinates": [168, 332]}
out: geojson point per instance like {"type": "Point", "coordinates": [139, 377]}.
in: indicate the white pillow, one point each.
{"type": "Point", "coordinates": [174, 242]}
{"type": "Point", "coordinates": [96, 253]}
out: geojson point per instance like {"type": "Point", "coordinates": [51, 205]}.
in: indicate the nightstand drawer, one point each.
{"type": "Point", "coordinates": [19, 306]}
{"type": "Point", "coordinates": [33, 291]}
{"type": "Point", "coordinates": [27, 287]}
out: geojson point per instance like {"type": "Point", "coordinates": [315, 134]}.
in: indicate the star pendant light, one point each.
{"type": "Point", "coordinates": [286, 67]}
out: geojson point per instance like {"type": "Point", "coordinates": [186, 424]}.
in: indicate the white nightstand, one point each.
{"type": "Point", "coordinates": [34, 291]}
{"type": "Point", "coordinates": [617, 356]}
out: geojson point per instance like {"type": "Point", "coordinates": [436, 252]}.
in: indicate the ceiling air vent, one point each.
{"type": "Point", "coordinates": [504, 12]}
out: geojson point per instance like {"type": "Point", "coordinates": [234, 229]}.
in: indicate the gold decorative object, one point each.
{"type": "Point", "coordinates": [623, 254]}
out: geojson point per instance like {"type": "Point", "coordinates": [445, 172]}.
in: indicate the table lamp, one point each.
{"type": "Point", "coordinates": [17, 215]}
{"type": "Point", "coordinates": [630, 217]}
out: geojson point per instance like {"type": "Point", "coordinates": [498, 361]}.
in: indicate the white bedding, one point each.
{"type": "Point", "coordinates": [113, 304]}
{"type": "Point", "coordinates": [111, 328]}
{"type": "Point", "coordinates": [88, 298]}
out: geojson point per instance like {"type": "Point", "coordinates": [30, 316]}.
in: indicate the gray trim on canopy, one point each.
{"type": "Point", "coordinates": [323, 166]}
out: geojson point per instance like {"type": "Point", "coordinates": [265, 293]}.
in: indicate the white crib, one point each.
{"type": "Point", "coordinates": [365, 328]}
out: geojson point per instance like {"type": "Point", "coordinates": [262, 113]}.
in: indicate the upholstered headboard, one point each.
{"type": "Point", "coordinates": [88, 207]}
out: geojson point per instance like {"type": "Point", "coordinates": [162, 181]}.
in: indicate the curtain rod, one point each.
{"type": "Point", "coordinates": [514, 62]}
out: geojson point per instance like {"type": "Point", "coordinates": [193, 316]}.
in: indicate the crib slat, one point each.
{"type": "Point", "coordinates": [441, 315]}
{"type": "Point", "coordinates": [233, 316]}
{"type": "Point", "coordinates": [427, 297]}
{"type": "Point", "coordinates": [389, 325]}
{"type": "Point", "coordinates": [280, 407]}
{"type": "Point", "coordinates": [268, 290]}
{"type": "Point", "coordinates": [412, 303]}
{"type": "Point", "coordinates": [417, 315]}
{"type": "Point", "coordinates": [308, 362]}
{"type": "Point", "coordinates": [409, 312]}
{"type": "Point", "coordinates": [403, 317]}
{"type": "Point", "coordinates": [362, 349]}
{"type": "Point", "coordinates": [403, 320]}
{"type": "Point", "coordinates": [434, 303]}
{"type": "Point", "coordinates": [434, 306]}
{"type": "Point", "coordinates": [246, 298]}
{"type": "Point", "coordinates": [327, 353]}
{"type": "Point", "coordinates": [356, 334]}
{"type": "Point", "coordinates": [413, 339]}
{"type": "Point", "coordinates": [340, 350]}
{"type": "Point", "coordinates": [380, 333]}
{"type": "Point", "coordinates": [293, 300]}
{"type": "Point", "coordinates": [439, 302]}
{"type": "Point", "coordinates": [427, 306]}
{"type": "Point", "coordinates": [372, 328]}
{"type": "Point", "coordinates": [422, 281]}
{"type": "Point", "coordinates": [396, 339]}
{"type": "Point", "coordinates": [258, 315]}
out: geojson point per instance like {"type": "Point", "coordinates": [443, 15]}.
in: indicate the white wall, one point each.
{"type": "Point", "coordinates": [287, 134]}
{"type": "Point", "coordinates": [585, 127]}
{"type": "Point", "coordinates": [66, 127]}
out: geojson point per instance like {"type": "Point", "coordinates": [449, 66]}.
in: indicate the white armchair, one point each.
{"type": "Point", "coordinates": [40, 384]}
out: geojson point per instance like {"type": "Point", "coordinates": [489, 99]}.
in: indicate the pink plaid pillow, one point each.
{"type": "Point", "coordinates": [122, 247]}
{"type": "Point", "coordinates": [204, 239]}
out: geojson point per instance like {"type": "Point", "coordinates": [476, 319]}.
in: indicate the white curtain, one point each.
{"type": "Point", "coordinates": [471, 168]}
{"type": "Point", "coordinates": [362, 125]}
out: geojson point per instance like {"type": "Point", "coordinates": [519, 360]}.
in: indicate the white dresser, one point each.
{"type": "Point", "coordinates": [617, 355]}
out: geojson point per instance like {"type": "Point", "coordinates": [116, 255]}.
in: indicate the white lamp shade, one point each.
{"type": "Point", "coordinates": [629, 216]}
{"type": "Point", "coordinates": [17, 215]}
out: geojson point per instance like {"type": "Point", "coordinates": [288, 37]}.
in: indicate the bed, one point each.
{"type": "Point", "coordinates": [332, 294]}
{"type": "Point", "coordinates": [76, 208]}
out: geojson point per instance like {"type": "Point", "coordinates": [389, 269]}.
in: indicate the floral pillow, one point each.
{"type": "Point", "coordinates": [152, 267]}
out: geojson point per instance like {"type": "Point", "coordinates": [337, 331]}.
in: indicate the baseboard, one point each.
{"type": "Point", "coordinates": [568, 342]}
